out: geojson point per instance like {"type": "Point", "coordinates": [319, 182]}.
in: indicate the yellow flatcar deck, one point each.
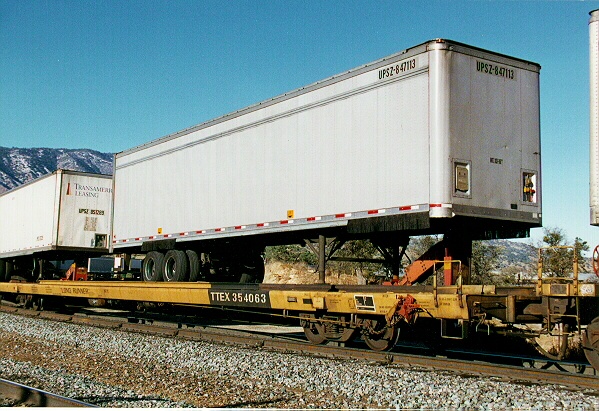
{"type": "Point", "coordinates": [446, 302]}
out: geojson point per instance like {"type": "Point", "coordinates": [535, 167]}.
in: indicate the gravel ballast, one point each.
{"type": "Point", "coordinates": [118, 369]}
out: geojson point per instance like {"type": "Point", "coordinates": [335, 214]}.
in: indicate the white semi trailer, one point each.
{"type": "Point", "coordinates": [594, 114]}
{"type": "Point", "coordinates": [439, 138]}
{"type": "Point", "coordinates": [62, 215]}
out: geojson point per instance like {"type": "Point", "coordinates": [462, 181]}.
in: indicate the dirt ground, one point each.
{"type": "Point", "coordinates": [295, 273]}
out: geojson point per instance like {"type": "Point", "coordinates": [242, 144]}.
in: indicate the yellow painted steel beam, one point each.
{"type": "Point", "coordinates": [176, 293]}
{"type": "Point", "coordinates": [446, 303]}
{"type": "Point", "coordinates": [563, 289]}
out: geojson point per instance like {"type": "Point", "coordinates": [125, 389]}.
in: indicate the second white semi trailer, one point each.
{"type": "Point", "coordinates": [65, 215]}
{"type": "Point", "coordinates": [439, 138]}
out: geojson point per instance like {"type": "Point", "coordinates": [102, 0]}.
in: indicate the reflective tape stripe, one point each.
{"type": "Point", "coordinates": [307, 220]}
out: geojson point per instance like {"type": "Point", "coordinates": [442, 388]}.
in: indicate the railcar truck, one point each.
{"type": "Point", "coordinates": [440, 138]}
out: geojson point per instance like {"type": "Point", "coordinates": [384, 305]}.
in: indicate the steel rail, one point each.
{"type": "Point", "coordinates": [23, 395]}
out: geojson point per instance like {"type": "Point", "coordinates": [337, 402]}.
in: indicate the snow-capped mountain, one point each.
{"type": "Point", "coordinates": [20, 165]}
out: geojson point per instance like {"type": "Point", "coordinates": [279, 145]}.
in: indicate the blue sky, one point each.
{"type": "Point", "coordinates": [110, 75]}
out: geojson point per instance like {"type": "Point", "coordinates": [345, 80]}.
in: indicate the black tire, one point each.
{"type": "Point", "coordinates": [195, 265]}
{"type": "Point", "coordinates": [152, 266]}
{"type": "Point", "coordinates": [252, 270]}
{"type": "Point", "coordinates": [3, 271]}
{"type": "Point", "coordinates": [10, 267]}
{"type": "Point", "coordinates": [175, 267]}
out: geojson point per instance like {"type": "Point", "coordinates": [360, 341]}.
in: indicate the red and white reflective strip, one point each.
{"type": "Point", "coordinates": [381, 211]}
{"type": "Point", "coordinates": [308, 220]}
{"type": "Point", "coordinates": [440, 205]}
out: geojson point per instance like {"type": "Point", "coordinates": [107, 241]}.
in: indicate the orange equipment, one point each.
{"type": "Point", "coordinates": [76, 273]}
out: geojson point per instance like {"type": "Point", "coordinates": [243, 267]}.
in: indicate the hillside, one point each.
{"type": "Point", "coordinates": [20, 165]}
{"type": "Point", "coordinates": [515, 253]}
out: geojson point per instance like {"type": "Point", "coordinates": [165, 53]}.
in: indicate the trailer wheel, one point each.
{"type": "Point", "coordinates": [194, 265]}
{"type": "Point", "coordinates": [175, 267]}
{"type": "Point", "coordinates": [3, 271]}
{"type": "Point", "coordinates": [252, 270]}
{"type": "Point", "coordinates": [152, 267]}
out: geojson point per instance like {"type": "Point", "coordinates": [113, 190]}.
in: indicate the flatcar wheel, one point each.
{"type": "Point", "coordinates": [315, 333]}
{"type": "Point", "coordinates": [21, 300]}
{"type": "Point", "coordinates": [379, 338]}
{"type": "Point", "coordinates": [553, 347]}
{"type": "Point", "coordinates": [152, 266]}
{"type": "Point", "coordinates": [27, 302]}
{"type": "Point", "coordinates": [37, 303]}
{"type": "Point", "coordinates": [590, 343]}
